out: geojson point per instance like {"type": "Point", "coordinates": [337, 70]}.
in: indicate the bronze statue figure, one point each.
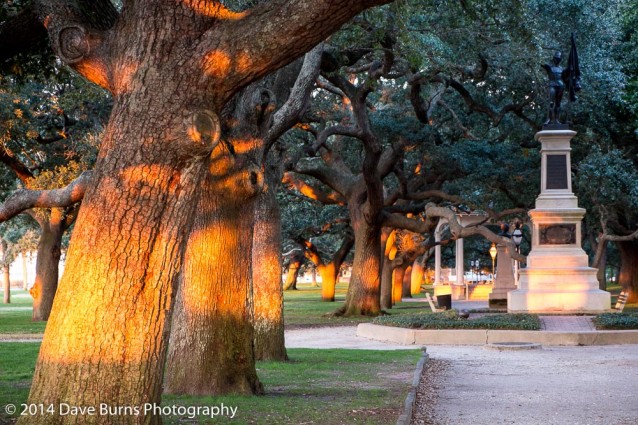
{"type": "Point", "coordinates": [559, 79]}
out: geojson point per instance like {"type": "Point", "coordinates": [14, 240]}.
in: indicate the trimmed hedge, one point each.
{"type": "Point", "coordinates": [616, 321]}
{"type": "Point", "coordinates": [450, 320]}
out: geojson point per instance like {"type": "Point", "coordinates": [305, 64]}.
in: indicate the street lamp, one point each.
{"type": "Point", "coordinates": [493, 252]}
{"type": "Point", "coordinates": [517, 238]}
{"type": "Point", "coordinates": [467, 287]}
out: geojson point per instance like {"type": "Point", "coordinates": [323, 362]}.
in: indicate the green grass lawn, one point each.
{"type": "Point", "coordinates": [19, 298]}
{"type": "Point", "coordinates": [304, 307]}
{"type": "Point", "coordinates": [15, 317]}
{"type": "Point", "coordinates": [314, 387]}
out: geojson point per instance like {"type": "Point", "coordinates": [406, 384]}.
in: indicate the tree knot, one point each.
{"type": "Point", "coordinates": [204, 130]}
{"type": "Point", "coordinates": [73, 44]}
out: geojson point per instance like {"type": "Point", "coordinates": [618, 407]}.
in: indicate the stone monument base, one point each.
{"type": "Point", "coordinates": [592, 301]}
{"type": "Point", "coordinates": [557, 277]}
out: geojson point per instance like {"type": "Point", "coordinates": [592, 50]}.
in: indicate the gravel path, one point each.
{"type": "Point", "coordinates": [551, 386]}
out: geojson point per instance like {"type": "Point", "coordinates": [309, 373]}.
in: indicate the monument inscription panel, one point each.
{"type": "Point", "coordinates": [557, 234]}
{"type": "Point", "coordinates": [556, 172]}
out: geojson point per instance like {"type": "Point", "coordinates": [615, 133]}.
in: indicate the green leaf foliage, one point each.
{"type": "Point", "coordinates": [450, 320]}
{"type": "Point", "coordinates": [616, 321]}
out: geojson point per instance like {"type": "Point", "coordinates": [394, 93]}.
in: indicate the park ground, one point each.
{"type": "Point", "coordinates": [344, 386]}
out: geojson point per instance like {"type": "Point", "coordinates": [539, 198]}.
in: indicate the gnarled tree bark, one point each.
{"type": "Point", "coordinates": [167, 65]}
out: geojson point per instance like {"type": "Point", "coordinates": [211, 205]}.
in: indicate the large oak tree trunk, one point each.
{"type": "Point", "coordinates": [107, 333]}
{"type": "Point", "coordinates": [47, 266]}
{"type": "Point", "coordinates": [211, 346]}
{"type": "Point", "coordinates": [268, 298]}
{"type": "Point", "coordinates": [364, 290]}
{"type": "Point", "coordinates": [628, 276]}
{"type": "Point", "coordinates": [166, 64]}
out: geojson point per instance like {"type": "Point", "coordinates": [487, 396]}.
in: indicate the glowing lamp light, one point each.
{"type": "Point", "coordinates": [493, 252]}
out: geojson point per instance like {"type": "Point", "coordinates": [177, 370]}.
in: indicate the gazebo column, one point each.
{"type": "Point", "coordinates": [437, 258]}
{"type": "Point", "coordinates": [460, 269]}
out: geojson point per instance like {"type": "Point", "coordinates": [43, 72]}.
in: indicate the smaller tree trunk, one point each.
{"type": "Point", "coordinates": [407, 282]}
{"type": "Point", "coordinates": [602, 272]}
{"type": "Point", "coordinates": [25, 275]}
{"type": "Point", "coordinates": [387, 267]}
{"type": "Point", "coordinates": [328, 281]}
{"type": "Point", "coordinates": [211, 348]}
{"type": "Point", "coordinates": [363, 296]}
{"type": "Point", "coordinates": [268, 297]}
{"type": "Point", "coordinates": [600, 259]}
{"type": "Point", "coordinates": [47, 266]}
{"type": "Point", "coordinates": [628, 276]}
{"type": "Point", "coordinates": [386, 282]}
{"type": "Point", "coordinates": [397, 284]}
{"type": "Point", "coordinates": [329, 272]}
{"type": "Point", "coordinates": [293, 273]}
{"type": "Point", "coordinates": [416, 277]}
{"type": "Point", "coordinates": [6, 280]}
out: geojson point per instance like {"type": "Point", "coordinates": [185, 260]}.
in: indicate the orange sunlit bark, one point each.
{"type": "Point", "coordinates": [328, 281]}
{"type": "Point", "coordinates": [268, 295]}
{"type": "Point", "coordinates": [214, 10]}
{"type": "Point", "coordinates": [217, 64]}
{"type": "Point", "coordinates": [397, 284]}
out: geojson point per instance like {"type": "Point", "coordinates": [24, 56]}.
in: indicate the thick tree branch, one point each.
{"type": "Point", "coordinates": [25, 199]}
{"type": "Point", "coordinates": [21, 171]}
{"type": "Point", "coordinates": [344, 249]}
{"type": "Point", "coordinates": [438, 194]}
{"type": "Point", "coordinates": [318, 169]}
{"type": "Point", "coordinates": [79, 32]}
{"type": "Point", "coordinates": [456, 229]}
{"type": "Point", "coordinates": [467, 133]}
{"type": "Point", "coordinates": [341, 130]}
{"type": "Point", "coordinates": [291, 111]}
{"type": "Point", "coordinates": [292, 181]}
{"type": "Point", "coordinates": [372, 146]}
{"type": "Point", "coordinates": [312, 253]}
{"type": "Point", "coordinates": [389, 158]}
{"type": "Point", "coordinates": [495, 116]}
{"type": "Point", "coordinates": [239, 51]}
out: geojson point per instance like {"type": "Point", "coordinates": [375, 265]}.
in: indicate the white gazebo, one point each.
{"type": "Point", "coordinates": [465, 219]}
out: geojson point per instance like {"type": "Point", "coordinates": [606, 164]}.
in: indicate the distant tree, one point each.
{"type": "Point", "coordinates": [48, 140]}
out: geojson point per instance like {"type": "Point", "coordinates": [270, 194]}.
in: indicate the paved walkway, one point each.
{"type": "Point", "coordinates": [550, 386]}
{"type": "Point", "coordinates": [567, 323]}
{"type": "Point", "coordinates": [337, 337]}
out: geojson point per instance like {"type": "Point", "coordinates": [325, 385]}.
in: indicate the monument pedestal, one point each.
{"type": "Point", "coordinates": [557, 277]}
{"type": "Point", "coordinates": [504, 281]}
